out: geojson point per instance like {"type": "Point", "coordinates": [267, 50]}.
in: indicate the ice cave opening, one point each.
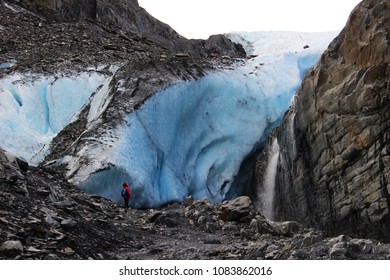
{"type": "Point", "coordinates": [199, 137]}
{"type": "Point", "coordinates": [196, 137]}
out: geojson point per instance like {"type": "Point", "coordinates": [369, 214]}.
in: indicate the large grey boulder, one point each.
{"type": "Point", "coordinates": [11, 248]}
{"type": "Point", "coordinates": [235, 209]}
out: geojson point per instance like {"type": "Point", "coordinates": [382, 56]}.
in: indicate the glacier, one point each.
{"type": "Point", "coordinates": [192, 138]}
{"type": "Point", "coordinates": [33, 109]}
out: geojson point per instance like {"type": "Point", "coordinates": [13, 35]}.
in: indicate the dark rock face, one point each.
{"type": "Point", "coordinates": [333, 170]}
{"type": "Point", "coordinates": [219, 45]}
{"type": "Point", "coordinates": [68, 10]}
{"type": "Point", "coordinates": [129, 17]}
{"type": "Point", "coordinates": [41, 46]}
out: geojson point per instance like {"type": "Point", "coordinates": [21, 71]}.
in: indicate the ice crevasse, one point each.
{"type": "Point", "coordinates": [192, 138]}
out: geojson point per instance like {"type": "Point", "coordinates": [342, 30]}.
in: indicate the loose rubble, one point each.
{"type": "Point", "coordinates": [44, 217]}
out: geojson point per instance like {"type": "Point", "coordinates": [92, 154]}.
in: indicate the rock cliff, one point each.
{"type": "Point", "coordinates": [333, 167]}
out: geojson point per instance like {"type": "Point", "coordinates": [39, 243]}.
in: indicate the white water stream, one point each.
{"type": "Point", "coordinates": [268, 197]}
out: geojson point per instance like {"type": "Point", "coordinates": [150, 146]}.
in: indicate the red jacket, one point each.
{"type": "Point", "coordinates": [128, 193]}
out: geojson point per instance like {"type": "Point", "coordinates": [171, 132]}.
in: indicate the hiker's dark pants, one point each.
{"type": "Point", "coordinates": [126, 199]}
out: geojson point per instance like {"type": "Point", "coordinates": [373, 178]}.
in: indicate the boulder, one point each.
{"type": "Point", "coordinates": [236, 209]}
{"type": "Point", "coordinates": [288, 228]}
{"type": "Point", "coordinates": [338, 251]}
{"type": "Point", "coordinates": [221, 46]}
{"type": "Point", "coordinates": [11, 248]}
{"type": "Point", "coordinates": [68, 224]}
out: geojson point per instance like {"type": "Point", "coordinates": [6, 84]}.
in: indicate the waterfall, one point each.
{"type": "Point", "coordinates": [291, 126]}
{"type": "Point", "coordinates": [268, 197]}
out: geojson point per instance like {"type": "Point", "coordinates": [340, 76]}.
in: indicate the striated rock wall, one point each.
{"type": "Point", "coordinates": [334, 166]}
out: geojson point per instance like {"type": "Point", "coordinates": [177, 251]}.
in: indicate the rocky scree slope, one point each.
{"type": "Point", "coordinates": [333, 169]}
{"type": "Point", "coordinates": [129, 17]}
{"type": "Point", "coordinates": [66, 36]}
{"type": "Point", "coordinates": [42, 216]}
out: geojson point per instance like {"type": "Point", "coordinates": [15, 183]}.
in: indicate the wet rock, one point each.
{"type": "Point", "coordinates": [11, 248]}
{"type": "Point", "coordinates": [235, 209]}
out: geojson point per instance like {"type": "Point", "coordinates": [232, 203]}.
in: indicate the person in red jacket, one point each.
{"type": "Point", "coordinates": [126, 194]}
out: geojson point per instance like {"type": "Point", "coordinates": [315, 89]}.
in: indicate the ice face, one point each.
{"type": "Point", "coordinates": [34, 109]}
{"type": "Point", "coordinates": [192, 138]}
{"type": "Point", "coordinates": [197, 135]}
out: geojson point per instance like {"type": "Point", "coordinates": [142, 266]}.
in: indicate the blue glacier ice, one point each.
{"type": "Point", "coordinates": [34, 109]}
{"type": "Point", "coordinates": [6, 65]}
{"type": "Point", "coordinates": [192, 138]}
{"type": "Point", "coordinates": [189, 139]}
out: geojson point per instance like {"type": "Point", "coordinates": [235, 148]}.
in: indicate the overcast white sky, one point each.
{"type": "Point", "coordinates": [202, 18]}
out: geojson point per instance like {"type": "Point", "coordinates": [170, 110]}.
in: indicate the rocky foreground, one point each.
{"type": "Point", "coordinates": [44, 217]}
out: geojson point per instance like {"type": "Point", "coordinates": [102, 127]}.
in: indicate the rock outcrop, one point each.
{"type": "Point", "coordinates": [333, 171]}
{"type": "Point", "coordinates": [128, 17]}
